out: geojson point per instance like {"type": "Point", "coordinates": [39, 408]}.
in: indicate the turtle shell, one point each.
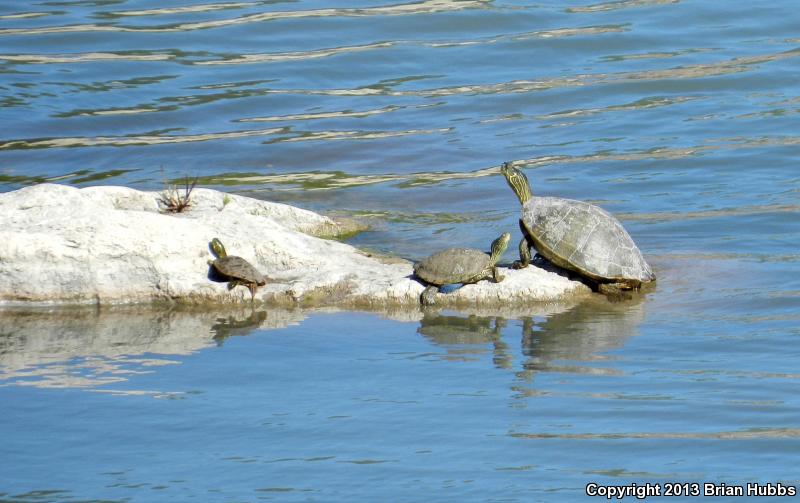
{"type": "Point", "coordinates": [238, 268]}
{"type": "Point", "coordinates": [584, 238]}
{"type": "Point", "coordinates": [454, 265]}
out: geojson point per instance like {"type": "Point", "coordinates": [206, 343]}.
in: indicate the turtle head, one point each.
{"type": "Point", "coordinates": [499, 246]}
{"type": "Point", "coordinates": [217, 249]}
{"type": "Point", "coordinates": [518, 182]}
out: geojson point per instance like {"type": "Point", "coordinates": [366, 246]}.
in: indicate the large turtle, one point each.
{"type": "Point", "coordinates": [237, 270]}
{"type": "Point", "coordinates": [459, 265]}
{"type": "Point", "coordinates": [577, 236]}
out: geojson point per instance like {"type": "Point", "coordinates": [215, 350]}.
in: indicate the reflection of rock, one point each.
{"type": "Point", "coordinates": [580, 333]}
{"type": "Point", "coordinates": [88, 347]}
{"type": "Point", "coordinates": [80, 347]}
{"type": "Point", "coordinates": [105, 245]}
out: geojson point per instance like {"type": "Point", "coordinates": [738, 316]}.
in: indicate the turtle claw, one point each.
{"type": "Point", "coordinates": [614, 292]}
{"type": "Point", "coordinates": [428, 297]}
{"type": "Point", "coordinates": [496, 276]}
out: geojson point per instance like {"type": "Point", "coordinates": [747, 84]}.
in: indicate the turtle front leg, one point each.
{"type": "Point", "coordinates": [524, 254]}
{"type": "Point", "coordinates": [525, 246]}
{"type": "Point", "coordinates": [496, 275]}
{"type": "Point", "coordinates": [252, 287]}
{"type": "Point", "coordinates": [428, 297]}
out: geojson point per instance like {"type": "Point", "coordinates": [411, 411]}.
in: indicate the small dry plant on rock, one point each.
{"type": "Point", "coordinates": [175, 199]}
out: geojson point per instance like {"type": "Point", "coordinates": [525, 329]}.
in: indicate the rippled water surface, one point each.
{"type": "Point", "coordinates": [680, 117]}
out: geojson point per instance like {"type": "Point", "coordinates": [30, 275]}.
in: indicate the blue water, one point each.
{"type": "Point", "coordinates": [680, 117]}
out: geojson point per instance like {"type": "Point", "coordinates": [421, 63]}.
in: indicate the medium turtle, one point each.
{"type": "Point", "coordinates": [459, 265]}
{"type": "Point", "coordinates": [237, 270]}
{"type": "Point", "coordinates": [577, 236]}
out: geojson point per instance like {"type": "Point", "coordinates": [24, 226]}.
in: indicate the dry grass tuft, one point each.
{"type": "Point", "coordinates": [175, 199]}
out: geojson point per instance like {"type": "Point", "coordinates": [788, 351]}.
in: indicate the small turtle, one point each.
{"type": "Point", "coordinates": [237, 270]}
{"type": "Point", "coordinates": [577, 236]}
{"type": "Point", "coordinates": [459, 265]}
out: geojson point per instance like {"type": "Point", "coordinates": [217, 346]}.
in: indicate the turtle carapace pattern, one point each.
{"type": "Point", "coordinates": [459, 266]}
{"type": "Point", "coordinates": [579, 237]}
{"type": "Point", "coordinates": [236, 270]}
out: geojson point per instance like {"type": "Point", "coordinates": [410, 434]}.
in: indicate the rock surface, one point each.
{"type": "Point", "coordinates": [113, 245]}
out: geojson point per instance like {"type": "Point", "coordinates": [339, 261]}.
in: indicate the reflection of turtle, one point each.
{"type": "Point", "coordinates": [459, 265]}
{"type": "Point", "coordinates": [233, 326]}
{"type": "Point", "coordinates": [458, 330]}
{"type": "Point", "coordinates": [578, 236]}
{"type": "Point", "coordinates": [459, 335]}
{"type": "Point", "coordinates": [572, 341]}
{"type": "Point", "coordinates": [236, 270]}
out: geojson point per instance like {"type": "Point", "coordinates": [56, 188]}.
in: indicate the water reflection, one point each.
{"type": "Point", "coordinates": [414, 8]}
{"type": "Point", "coordinates": [582, 333]}
{"type": "Point", "coordinates": [93, 348]}
{"type": "Point", "coordinates": [158, 138]}
{"type": "Point", "coordinates": [552, 338]}
{"type": "Point", "coordinates": [233, 326]}
{"type": "Point", "coordinates": [619, 4]}
{"type": "Point", "coordinates": [89, 348]}
{"type": "Point", "coordinates": [459, 335]}
{"type": "Point", "coordinates": [237, 59]}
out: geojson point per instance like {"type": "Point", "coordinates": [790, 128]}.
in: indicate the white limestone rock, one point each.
{"type": "Point", "coordinates": [112, 245]}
